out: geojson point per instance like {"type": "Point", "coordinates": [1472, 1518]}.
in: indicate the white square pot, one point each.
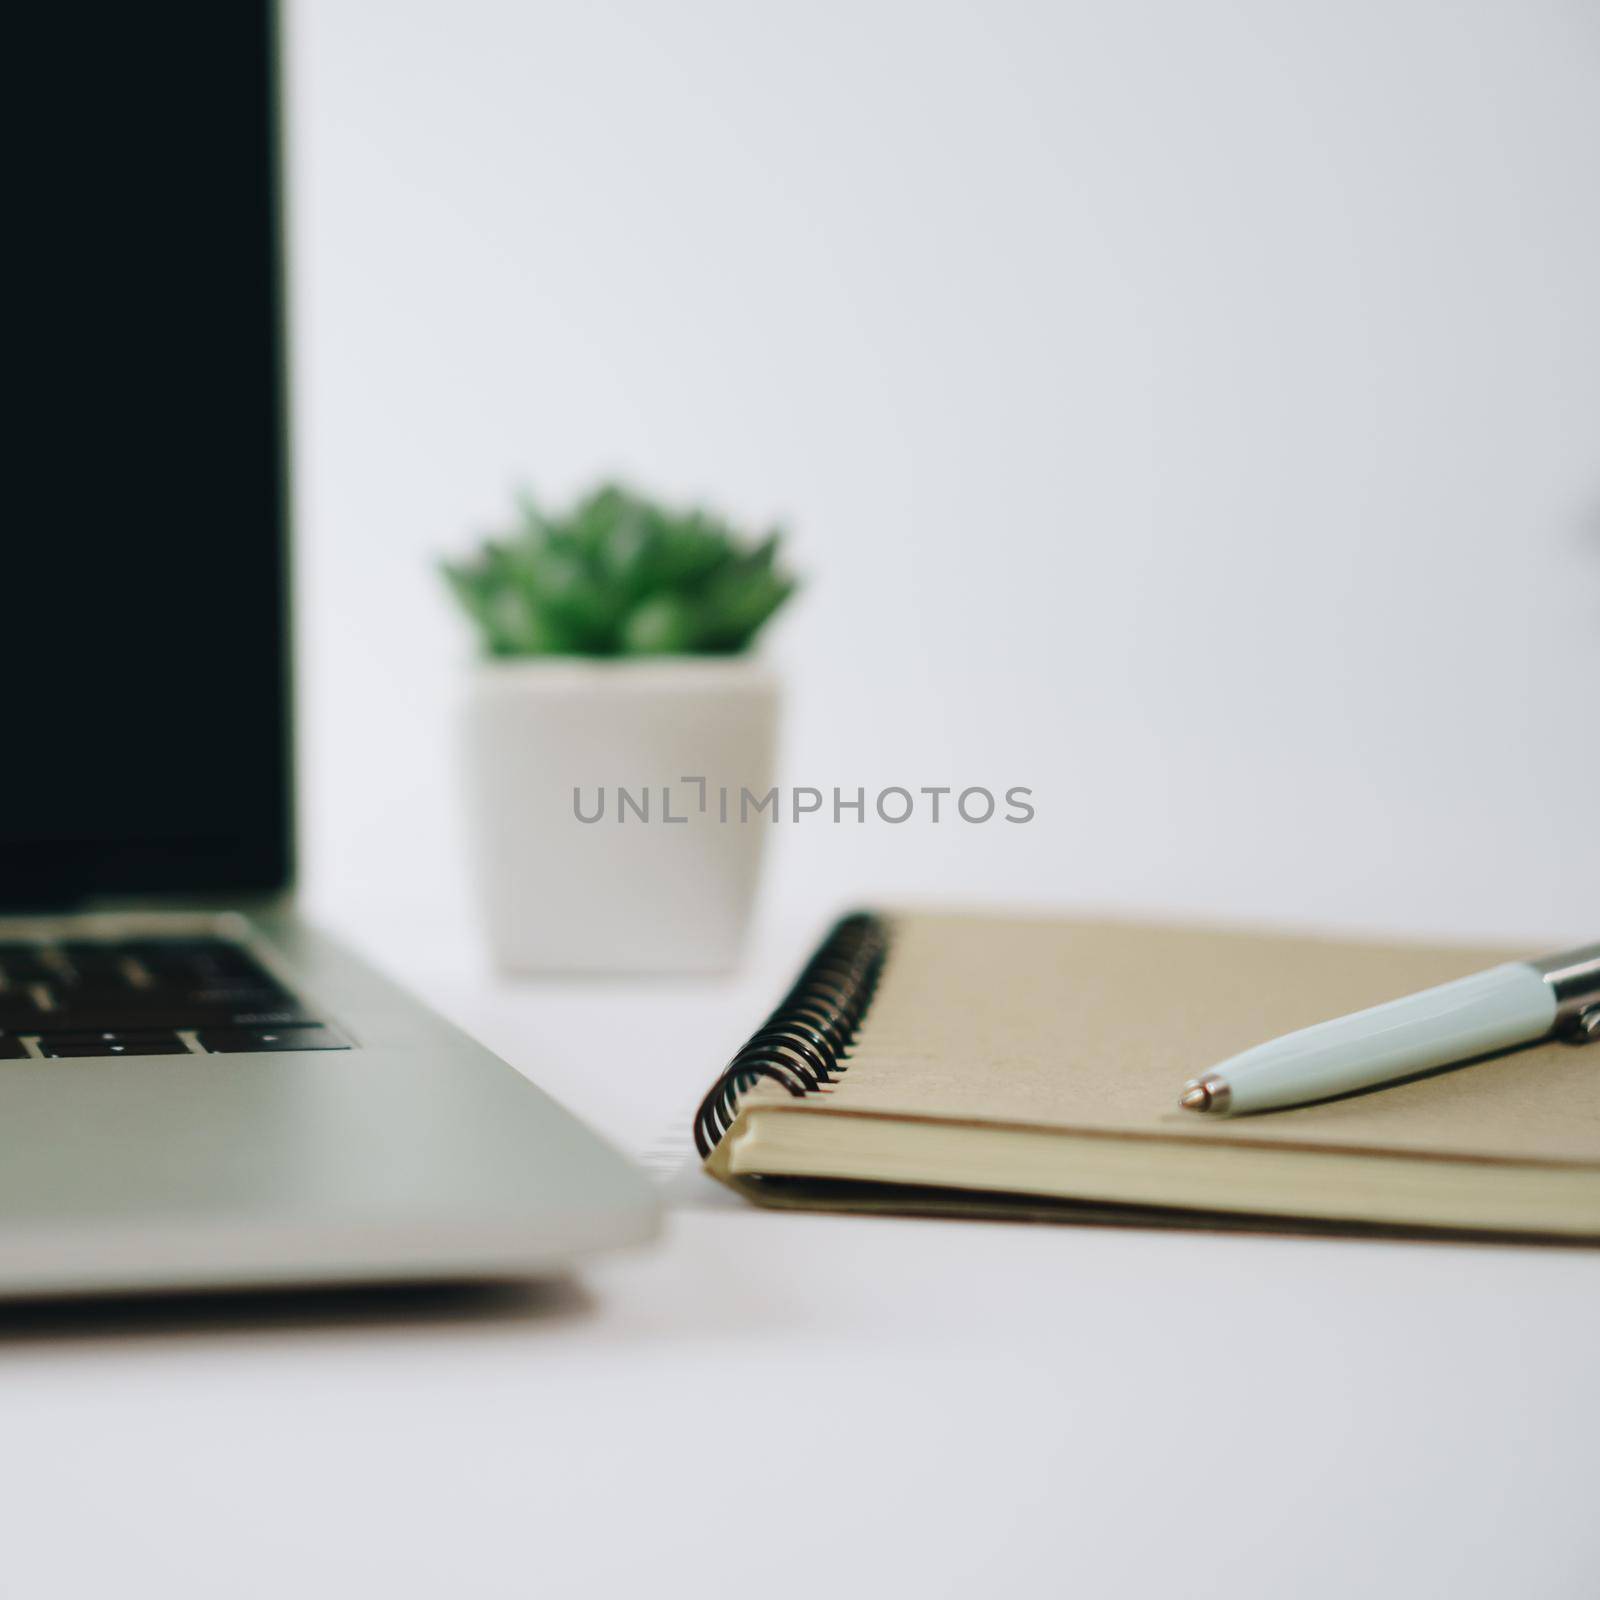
{"type": "Point", "coordinates": [595, 848]}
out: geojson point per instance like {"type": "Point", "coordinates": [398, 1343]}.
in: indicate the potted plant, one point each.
{"type": "Point", "coordinates": [614, 710]}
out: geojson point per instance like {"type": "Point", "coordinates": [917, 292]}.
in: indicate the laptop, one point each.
{"type": "Point", "coordinates": [197, 1090]}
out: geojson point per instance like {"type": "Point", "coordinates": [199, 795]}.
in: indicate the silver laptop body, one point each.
{"type": "Point", "coordinates": [412, 1154]}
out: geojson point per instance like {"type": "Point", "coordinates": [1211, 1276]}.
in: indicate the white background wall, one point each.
{"type": "Point", "coordinates": [1189, 411]}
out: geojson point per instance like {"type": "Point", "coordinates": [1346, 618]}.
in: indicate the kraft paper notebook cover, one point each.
{"type": "Point", "coordinates": [985, 1065]}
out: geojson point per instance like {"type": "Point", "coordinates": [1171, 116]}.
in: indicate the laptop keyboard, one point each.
{"type": "Point", "coordinates": [147, 997]}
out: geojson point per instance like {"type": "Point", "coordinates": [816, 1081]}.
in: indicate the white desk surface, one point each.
{"type": "Point", "coordinates": [813, 1406]}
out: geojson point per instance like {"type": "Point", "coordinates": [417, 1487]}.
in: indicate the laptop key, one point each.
{"type": "Point", "coordinates": [22, 964]}
{"type": "Point", "coordinates": [127, 1042]}
{"type": "Point", "coordinates": [195, 964]}
{"type": "Point", "coordinates": [238, 1041]}
{"type": "Point", "coordinates": [20, 1012]}
{"type": "Point", "coordinates": [88, 962]}
{"type": "Point", "coordinates": [151, 1019]}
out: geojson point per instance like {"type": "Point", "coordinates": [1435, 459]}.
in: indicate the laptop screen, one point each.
{"type": "Point", "coordinates": [144, 739]}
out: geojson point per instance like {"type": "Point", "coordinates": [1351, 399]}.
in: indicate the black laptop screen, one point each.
{"type": "Point", "coordinates": [143, 740]}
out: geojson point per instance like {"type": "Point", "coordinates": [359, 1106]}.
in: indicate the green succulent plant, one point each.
{"type": "Point", "coordinates": [619, 575]}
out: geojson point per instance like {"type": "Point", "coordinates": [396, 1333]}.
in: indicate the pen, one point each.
{"type": "Point", "coordinates": [1494, 1010]}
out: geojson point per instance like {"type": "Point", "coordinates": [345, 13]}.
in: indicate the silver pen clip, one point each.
{"type": "Point", "coordinates": [1574, 978]}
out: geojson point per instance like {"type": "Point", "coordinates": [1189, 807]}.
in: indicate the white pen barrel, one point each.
{"type": "Point", "coordinates": [1491, 1010]}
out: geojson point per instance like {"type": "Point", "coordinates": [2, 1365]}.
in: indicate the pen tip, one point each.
{"type": "Point", "coordinates": [1210, 1093]}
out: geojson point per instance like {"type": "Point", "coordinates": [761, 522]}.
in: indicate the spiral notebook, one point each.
{"type": "Point", "coordinates": [1019, 1066]}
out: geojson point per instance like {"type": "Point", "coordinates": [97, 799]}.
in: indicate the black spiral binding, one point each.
{"type": "Point", "coordinates": [802, 1045]}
